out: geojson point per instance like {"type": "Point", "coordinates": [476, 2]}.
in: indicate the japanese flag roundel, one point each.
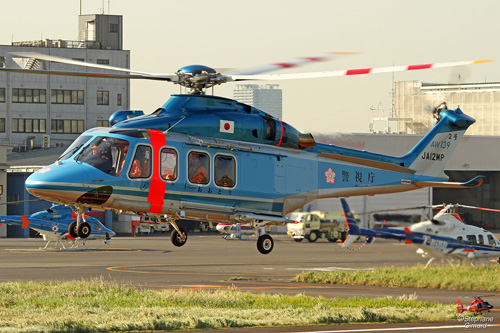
{"type": "Point", "coordinates": [226, 126]}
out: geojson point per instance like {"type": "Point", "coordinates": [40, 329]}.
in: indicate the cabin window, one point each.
{"type": "Point", "coordinates": [97, 226]}
{"type": "Point", "coordinates": [471, 239]}
{"type": "Point", "coordinates": [481, 239]}
{"type": "Point", "coordinates": [141, 164]}
{"type": "Point", "coordinates": [75, 146]}
{"type": "Point", "coordinates": [168, 167]}
{"type": "Point", "coordinates": [105, 154]}
{"type": "Point", "coordinates": [491, 240]}
{"type": "Point", "coordinates": [225, 171]}
{"type": "Point", "coordinates": [198, 168]}
{"type": "Point", "coordinates": [460, 240]}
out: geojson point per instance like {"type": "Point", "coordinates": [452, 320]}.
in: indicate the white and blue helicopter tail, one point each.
{"type": "Point", "coordinates": [353, 229]}
{"type": "Point", "coordinates": [430, 155]}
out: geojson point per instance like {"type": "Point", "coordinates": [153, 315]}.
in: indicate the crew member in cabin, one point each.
{"type": "Point", "coordinates": [198, 171]}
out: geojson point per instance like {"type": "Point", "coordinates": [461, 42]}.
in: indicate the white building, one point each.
{"type": "Point", "coordinates": [267, 98]}
{"type": "Point", "coordinates": [44, 111]}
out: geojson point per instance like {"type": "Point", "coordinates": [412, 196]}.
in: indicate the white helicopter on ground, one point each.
{"type": "Point", "coordinates": [445, 236]}
{"type": "Point", "coordinates": [213, 159]}
{"type": "Point", "coordinates": [235, 230]}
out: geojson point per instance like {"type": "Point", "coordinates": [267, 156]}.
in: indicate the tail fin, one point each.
{"type": "Point", "coordinates": [460, 307]}
{"type": "Point", "coordinates": [409, 236]}
{"type": "Point", "coordinates": [431, 154]}
{"type": "Point", "coordinates": [26, 222]}
{"type": "Point", "coordinates": [352, 226]}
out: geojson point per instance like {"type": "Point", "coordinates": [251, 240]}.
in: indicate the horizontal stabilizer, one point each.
{"type": "Point", "coordinates": [349, 240]}
{"type": "Point", "coordinates": [475, 182]}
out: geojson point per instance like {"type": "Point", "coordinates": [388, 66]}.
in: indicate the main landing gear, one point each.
{"type": "Point", "coordinates": [179, 235]}
{"type": "Point", "coordinates": [80, 229]}
{"type": "Point", "coordinates": [265, 244]}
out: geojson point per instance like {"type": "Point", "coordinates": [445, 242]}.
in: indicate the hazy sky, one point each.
{"type": "Point", "coordinates": [164, 35]}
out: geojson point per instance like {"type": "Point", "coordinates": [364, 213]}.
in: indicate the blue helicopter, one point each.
{"type": "Point", "coordinates": [445, 236]}
{"type": "Point", "coordinates": [212, 159]}
{"type": "Point", "coordinates": [58, 224]}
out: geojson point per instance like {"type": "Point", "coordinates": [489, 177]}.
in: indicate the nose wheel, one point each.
{"type": "Point", "coordinates": [80, 228]}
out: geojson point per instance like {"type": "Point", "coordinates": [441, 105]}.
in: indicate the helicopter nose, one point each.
{"type": "Point", "coordinates": [59, 182]}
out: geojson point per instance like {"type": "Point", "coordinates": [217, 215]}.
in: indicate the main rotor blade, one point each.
{"type": "Point", "coordinates": [297, 62]}
{"type": "Point", "coordinates": [45, 57]}
{"type": "Point", "coordinates": [311, 75]}
{"type": "Point", "coordinates": [480, 208]}
{"type": "Point", "coordinates": [160, 77]}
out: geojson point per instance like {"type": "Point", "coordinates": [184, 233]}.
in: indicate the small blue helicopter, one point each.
{"type": "Point", "coordinates": [445, 236]}
{"type": "Point", "coordinates": [58, 224]}
{"type": "Point", "coordinates": [214, 159]}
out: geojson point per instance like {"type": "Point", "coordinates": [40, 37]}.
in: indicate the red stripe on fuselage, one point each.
{"type": "Point", "coordinates": [281, 137]}
{"type": "Point", "coordinates": [157, 185]}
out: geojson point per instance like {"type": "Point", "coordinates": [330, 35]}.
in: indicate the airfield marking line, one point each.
{"type": "Point", "coordinates": [395, 329]}
{"type": "Point", "coordinates": [184, 273]}
{"type": "Point", "coordinates": [68, 250]}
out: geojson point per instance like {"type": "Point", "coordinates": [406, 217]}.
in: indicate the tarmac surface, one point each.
{"type": "Point", "coordinates": [209, 262]}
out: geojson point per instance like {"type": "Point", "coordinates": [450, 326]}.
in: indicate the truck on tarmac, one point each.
{"type": "Point", "coordinates": [317, 224]}
{"type": "Point", "coordinates": [150, 225]}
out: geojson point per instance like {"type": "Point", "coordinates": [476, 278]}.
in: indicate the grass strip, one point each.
{"type": "Point", "coordinates": [461, 277]}
{"type": "Point", "coordinates": [95, 306]}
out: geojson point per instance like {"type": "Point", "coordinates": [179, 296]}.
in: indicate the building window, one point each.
{"type": "Point", "coordinates": [67, 126]}
{"type": "Point", "coordinates": [59, 96]}
{"type": "Point", "coordinates": [103, 123]}
{"type": "Point", "coordinates": [113, 27]}
{"type": "Point", "coordinates": [224, 170]}
{"type": "Point", "coordinates": [2, 125]}
{"type": "Point", "coordinates": [20, 95]}
{"type": "Point", "coordinates": [102, 97]}
{"type": "Point", "coordinates": [119, 99]}
{"type": "Point", "coordinates": [2, 62]}
{"type": "Point", "coordinates": [21, 125]}
{"type": "Point", "coordinates": [103, 61]}
{"type": "Point", "coordinates": [2, 95]}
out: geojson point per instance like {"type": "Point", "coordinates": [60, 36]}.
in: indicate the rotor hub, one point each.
{"type": "Point", "coordinates": [197, 78]}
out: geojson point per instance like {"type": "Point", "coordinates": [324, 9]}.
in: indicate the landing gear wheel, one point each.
{"type": "Point", "coordinates": [178, 239]}
{"type": "Point", "coordinates": [265, 244]}
{"type": "Point", "coordinates": [72, 230]}
{"type": "Point", "coordinates": [84, 230]}
{"type": "Point", "coordinates": [313, 236]}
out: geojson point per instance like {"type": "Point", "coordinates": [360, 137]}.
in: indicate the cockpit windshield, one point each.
{"type": "Point", "coordinates": [106, 154]}
{"type": "Point", "coordinates": [75, 146]}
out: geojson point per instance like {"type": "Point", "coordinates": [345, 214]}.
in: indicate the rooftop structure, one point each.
{"type": "Point", "coordinates": [415, 102]}
{"type": "Point", "coordinates": [267, 98]}
{"type": "Point", "coordinates": [51, 111]}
